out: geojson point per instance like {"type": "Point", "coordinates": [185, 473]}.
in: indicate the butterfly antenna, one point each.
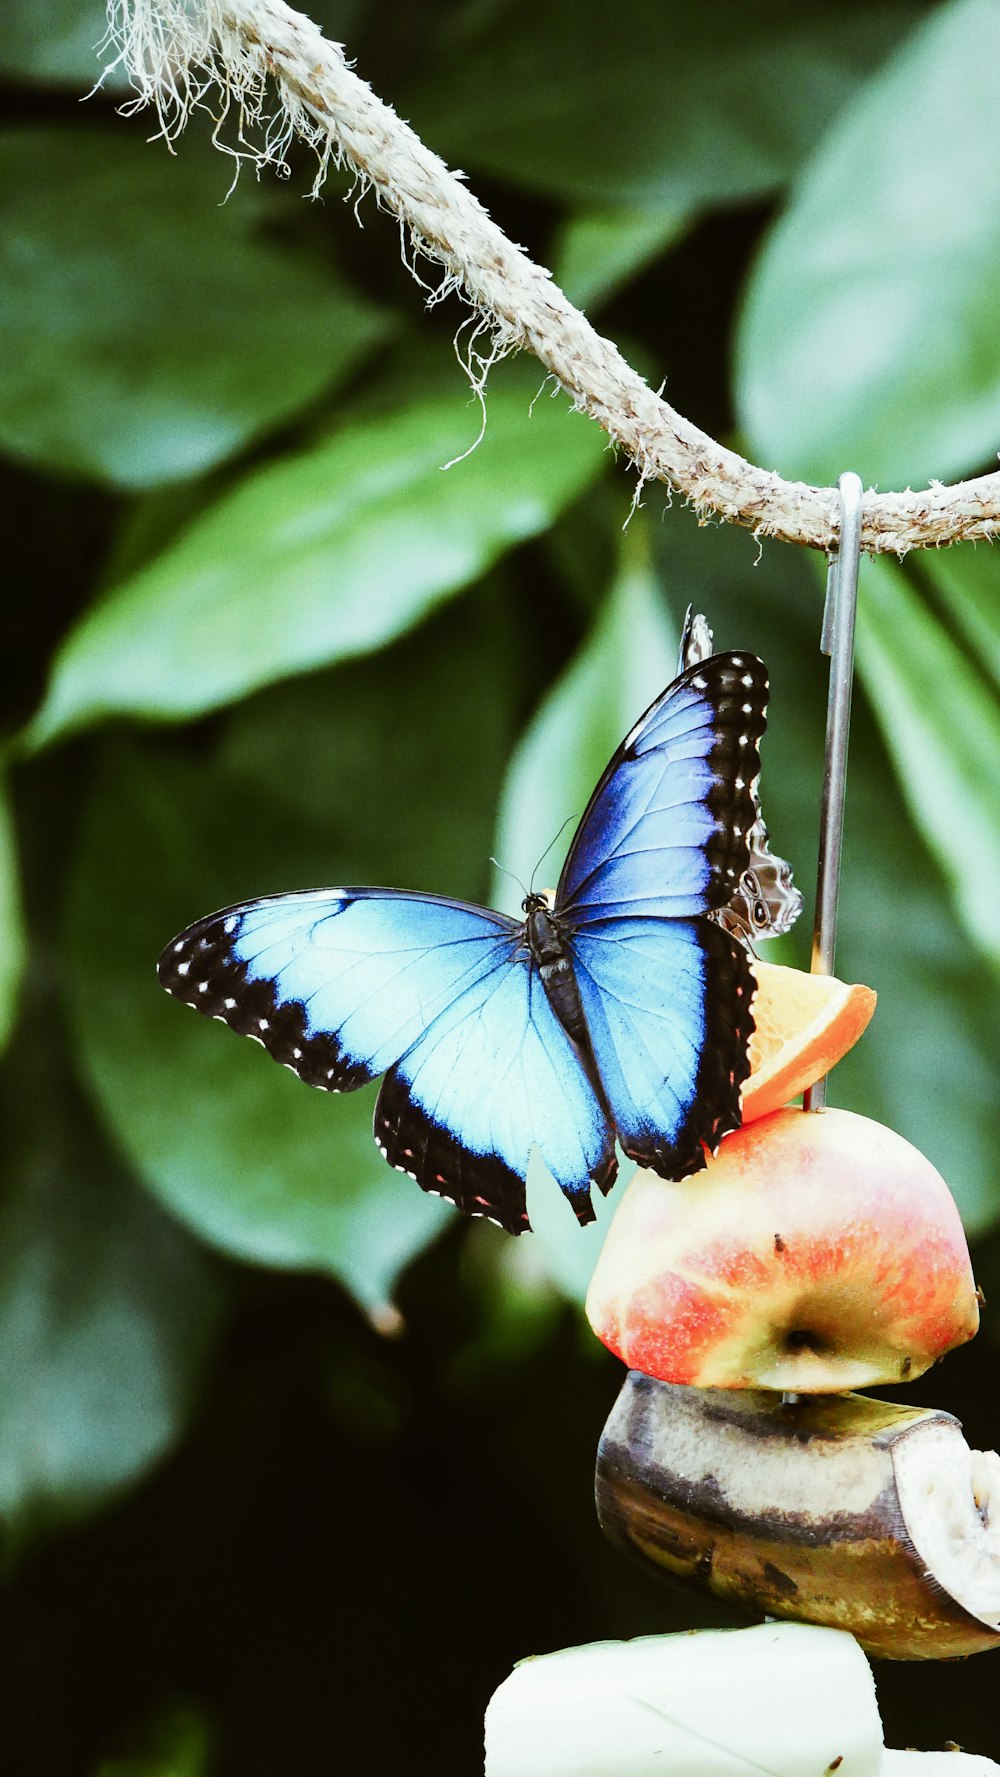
{"type": "Point", "coordinates": [553, 841]}
{"type": "Point", "coordinates": [505, 872]}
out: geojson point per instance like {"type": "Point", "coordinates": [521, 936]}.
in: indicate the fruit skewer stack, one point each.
{"type": "Point", "coordinates": [817, 1254]}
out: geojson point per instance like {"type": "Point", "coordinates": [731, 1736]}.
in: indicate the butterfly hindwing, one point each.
{"type": "Point", "coordinates": [493, 1076]}
{"type": "Point", "coordinates": [667, 1003]}
{"type": "Point", "coordinates": [344, 984]}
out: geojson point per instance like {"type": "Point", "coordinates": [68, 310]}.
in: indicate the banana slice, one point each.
{"type": "Point", "coordinates": [834, 1509]}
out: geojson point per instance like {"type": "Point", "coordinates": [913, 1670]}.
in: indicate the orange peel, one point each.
{"type": "Point", "coordinates": [804, 1024]}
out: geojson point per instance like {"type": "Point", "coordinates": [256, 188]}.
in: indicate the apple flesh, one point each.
{"type": "Point", "coordinates": [817, 1252]}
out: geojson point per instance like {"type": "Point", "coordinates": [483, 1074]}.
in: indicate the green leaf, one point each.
{"type": "Point", "coordinates": [150, 330]}
{"type": "Point", "coordinates": [871, 333]}
{"type": "Point", "coordinates": [967, 583]}
{"type": "Point", "coordinates": [599, 251]}
{"type": "Point", "coordinates": [107, 1308]}
{"type": "Point", "coordinates": [942, 728]}
{"type": "Point", "coordinates": [680, 107]}
{"type": "Point", "coordinates": [12, 938]}
{"type": "Point", "coordinates": [56, 43]}
{"type": "Point", "coordinates": [346, 777]}
{"type": "Point", "coordinates": [327, 554]}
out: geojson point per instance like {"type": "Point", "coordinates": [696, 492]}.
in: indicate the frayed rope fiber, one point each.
{"type": "Point", "coordinates": [284, 80]}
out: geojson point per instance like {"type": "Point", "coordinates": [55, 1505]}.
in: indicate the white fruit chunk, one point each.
{"type": "Point", "coordinates": [949, 1496]}
{"type": "Point", "coordinates": [786, 1698]}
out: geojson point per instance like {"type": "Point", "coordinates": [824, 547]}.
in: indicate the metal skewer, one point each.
{"type": "Point", "coordinates": [838, 642]}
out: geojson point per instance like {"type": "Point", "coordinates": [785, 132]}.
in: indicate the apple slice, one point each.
{"type": "Point", "coordinates": [817, 1252]}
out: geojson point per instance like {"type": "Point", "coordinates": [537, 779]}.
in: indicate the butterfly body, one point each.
{"type": "Point", "coordinates": [619, 1010]}
{"type": "Point", "coordinates": [549, 951]}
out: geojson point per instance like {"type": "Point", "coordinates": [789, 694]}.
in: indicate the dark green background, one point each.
{"type": "Point", "coordinates": [293, 1464]}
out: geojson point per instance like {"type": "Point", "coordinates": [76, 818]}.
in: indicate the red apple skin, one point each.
{"type": "Point", "coordinates": [819, 1251]}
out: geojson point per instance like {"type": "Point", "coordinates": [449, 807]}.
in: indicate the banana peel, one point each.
{"type": "Point", "coordinates": [838, 1510]}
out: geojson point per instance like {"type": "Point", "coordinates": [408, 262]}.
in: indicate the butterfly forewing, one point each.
{"type": "Point", "coordinates": [335, 983]}
{"type": "Point", "coordinates": [665, 831]}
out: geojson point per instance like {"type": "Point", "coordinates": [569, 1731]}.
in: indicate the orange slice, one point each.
{"type": "Point", "coordinates": [804, 1024]}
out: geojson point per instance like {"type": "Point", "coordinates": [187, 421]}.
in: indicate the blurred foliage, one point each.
{"type": "Point", "coordinates": [869, 333]}
{"type": "Point", "coordinates": [55, 44]}
{"type": "Point", "coordinates": [12, 935]}
{"type": "Point", "coordinates": [99, 1366]}
{"type": "Point", "coordinates": [174, 638]}
{"type": "Point", "coordinates": [131, 354]}
{"type": "Point", "coordinates": [280, 1439]}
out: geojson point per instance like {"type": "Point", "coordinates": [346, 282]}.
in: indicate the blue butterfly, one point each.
{"type": "Point", "coordinates": [619, 1009]}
